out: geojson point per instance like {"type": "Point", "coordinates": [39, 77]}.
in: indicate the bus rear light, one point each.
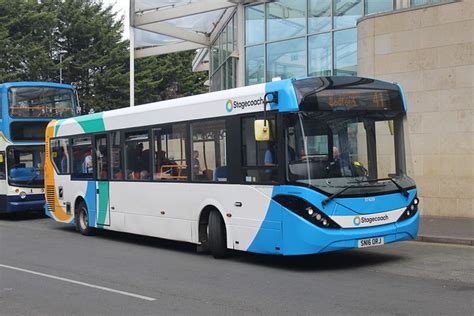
{"type": "Point", "coordinates": [306, 210]}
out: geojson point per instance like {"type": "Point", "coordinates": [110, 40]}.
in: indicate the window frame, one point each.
{"type": "Point", "coordinates": [280, 153]}
{"type": "Point", "coordinates": [149, 131]}
{"type": "Point", "coordinates": [74, 175]}
{"type": "Point", "coordinates": [186, 150]}
{"type": "Point", "coordinates": [191, 147]}
{"type": "Point", "coordinates": [68, 138]}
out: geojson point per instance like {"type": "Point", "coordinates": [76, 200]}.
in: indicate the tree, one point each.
{"type": "Point", "coordinates": [167, 77]}
{"type": "Point", "coordinates": [32, 33]}
{"type": "Point", "coordinates": [97, 58]}
{"type": "Point", "coordinates": [26, 40]}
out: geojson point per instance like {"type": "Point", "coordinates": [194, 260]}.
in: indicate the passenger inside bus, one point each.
{"type": "Point", "coordinates": [87, 167]}
{"type": "Point", "coordinates": [196, 164]}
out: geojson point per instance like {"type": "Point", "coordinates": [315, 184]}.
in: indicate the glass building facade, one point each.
{"type": "Point", "coordinates": [223, 63]}
{"type": "Point", "coordinates": [294, 38]}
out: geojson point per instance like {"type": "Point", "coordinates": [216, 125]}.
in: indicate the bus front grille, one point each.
{"type": "Point", "coordinates": [50, 197]}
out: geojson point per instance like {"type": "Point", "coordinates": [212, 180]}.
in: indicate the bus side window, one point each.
{"type": "Point", "coordinates": [60, 155]}
{"type": "Point", "coordinates": [137, 155]}
{"type": "Point", "coordinates": [116, 162]}
{"type": "Point", "coordinates": [259, 158]}
{"type": "Point", "coordinates": [82, 164]}
{"type": "Point", "coordinates": [2, 165]}
{"type": "Point", "coordinates": [169, 161]}
{"type": "Point", "coordinates": [209, 154]}
{"type": "Point", "coordinates": [101, 157]}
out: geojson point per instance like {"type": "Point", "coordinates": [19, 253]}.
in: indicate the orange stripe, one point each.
{"type": "Point", "coordinates": [59, 212]}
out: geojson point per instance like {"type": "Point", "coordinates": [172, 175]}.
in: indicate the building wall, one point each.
{"type": "Point", "coordinates": [430, 51]}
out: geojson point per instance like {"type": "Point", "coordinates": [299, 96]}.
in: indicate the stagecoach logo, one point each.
{"type": "Point", "coordinates": [356, 221]}
{"type": "Point", "coordinates": [369, 220]}
{"type": "Point", "coordinates": [230, 105]}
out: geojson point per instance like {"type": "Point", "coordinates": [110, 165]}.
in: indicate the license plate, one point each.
{"type": "Point", "coordinates": [370, 242]}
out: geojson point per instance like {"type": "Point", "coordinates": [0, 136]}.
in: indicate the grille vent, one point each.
{"type": "Point", "coordinates": [50, 197]}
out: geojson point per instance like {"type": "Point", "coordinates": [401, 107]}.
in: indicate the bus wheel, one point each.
{"type": "Point", "coordinates": [82, 220]}
{"type": "Point", "coordinates": [217, 235]}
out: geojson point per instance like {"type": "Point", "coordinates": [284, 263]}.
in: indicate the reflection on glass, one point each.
{"type": "Point", "coordinates": [385, 148]}
{"type": "Point", "coordinates": [346, 13]}
{"type": "Point", "coordinates": [216, 80]}
{"type": "Point", "coordinates": [223, 44]}
{"type": "Point", "coordinates": [169, 158]}
{"type": "Point", "coordinates": [209, 152]}
{"type": "Point", "coordinates": [285, 19]}
{"type": "Point", "coordinates": [286, 59]}
{"type": "Point", "coordinates": [25, 165]}
{"type": "Point", "coordinates": [254, 66]}
{"type": "Point", "coordinates": [319, 52]}
{"type": "Point", "coordinates": [377, 6]}
{"type": "Point", "coordinates": [319, 17]}
{"type": "Point", "coordinates": [230, 38]}
{"type": "Point", "coordinates": [40, 102]}
{"type": "Point", "coordinates": [215, 57]}
{"type": "Point", "coordinates": [345, 52]}
{"type": "Point", "coordinates": [254, 25]}
{"type": "Point", "coordinates": [230, 73]}
{"type": "Point", "coordinates": [337, 149]}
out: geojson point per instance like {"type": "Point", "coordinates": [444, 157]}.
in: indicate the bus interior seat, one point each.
{"type": "Point", "coordinates": [220, 174]}
{"type": "Point", "coordinates": [22, 172]}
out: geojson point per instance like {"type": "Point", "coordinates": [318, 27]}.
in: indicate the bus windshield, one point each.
{"type": "Point", "coordinates": [50, 102]}
{"type": "Point", "coordinates": [25, 165]}
{"type": "Point", "coordinates": [338, 149]}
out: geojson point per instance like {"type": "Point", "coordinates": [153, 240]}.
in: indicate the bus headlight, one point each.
{"type": "Point", "coordinates": [22, 195]}
{"type": "Point", "coordinates": [306, 210]}
{"type": "Point", "coordinates": [410, 211]}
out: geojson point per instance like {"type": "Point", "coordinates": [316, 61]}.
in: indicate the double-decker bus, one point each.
{"type": "Point", "coordinates": [26, 110]}
{"type": "Point", "coordinates": [291, 167]}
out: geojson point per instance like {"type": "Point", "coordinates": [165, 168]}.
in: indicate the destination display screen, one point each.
{"type": "Point", "coordinates": [355, 99]}
{"type": "Point", "coordinates": [347, 94]}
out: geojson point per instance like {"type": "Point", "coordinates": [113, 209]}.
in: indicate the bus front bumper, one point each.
{"type": "Point", "coordinates": [14, 203]}
{"type": "Point", "coordinates": [305, 238]}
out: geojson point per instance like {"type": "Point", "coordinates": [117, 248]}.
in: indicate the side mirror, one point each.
{"type": "Point", "coordinates": [262, 130]}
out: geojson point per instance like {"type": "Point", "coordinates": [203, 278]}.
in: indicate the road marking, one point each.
{"type": "Point", "coordinates": [146, 298]}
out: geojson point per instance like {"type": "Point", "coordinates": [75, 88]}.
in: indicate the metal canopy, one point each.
{"type": "Point", "coordinates": [166, 26]}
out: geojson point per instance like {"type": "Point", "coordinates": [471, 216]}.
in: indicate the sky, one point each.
{"type": "Point", "coordinates": [122, 8]}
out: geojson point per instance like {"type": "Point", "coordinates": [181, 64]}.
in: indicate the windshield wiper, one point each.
{"type": "Point", "coordinates": [401, 189]}
{"type": "Point", "coordinates": [326, 201]}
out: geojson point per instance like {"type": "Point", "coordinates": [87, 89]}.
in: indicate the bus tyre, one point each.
{"type": "Point", "coordinates": [82, 220]}
{"type": "Point", "coordinates": [217, 235]}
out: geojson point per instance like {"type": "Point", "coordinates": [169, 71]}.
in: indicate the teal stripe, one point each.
{"type": "Point", "coordinates": [103, 203]}
{"type": "Point", "coordinates": [91, 123]}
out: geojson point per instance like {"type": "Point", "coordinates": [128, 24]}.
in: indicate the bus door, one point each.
{"type": "Point", "coordinates": [102, 176]}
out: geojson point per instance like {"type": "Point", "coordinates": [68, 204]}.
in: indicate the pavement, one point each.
{"type": "Point", "coordinates": [47, 268]}
{"type": "Point", "coordinates": [447, 230]}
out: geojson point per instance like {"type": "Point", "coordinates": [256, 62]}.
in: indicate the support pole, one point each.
{"type": "Point", "coordinates": [132, 53]}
